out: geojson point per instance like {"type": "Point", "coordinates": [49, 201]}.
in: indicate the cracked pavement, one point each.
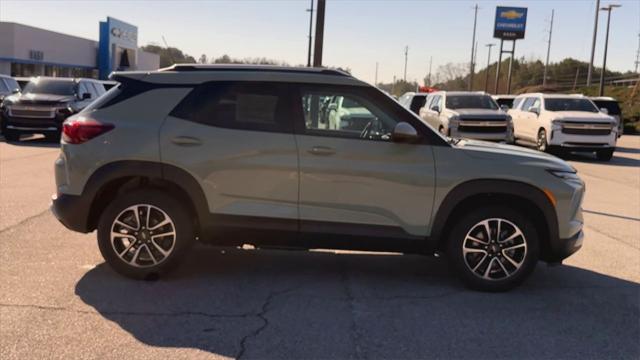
{"type": "Point", "coordinates": [58, 300]}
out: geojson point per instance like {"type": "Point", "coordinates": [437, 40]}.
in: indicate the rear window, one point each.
{"type": "Point", "coordinates": [611, 106]}
{"type": "Point", "coordinates": [104, 100]}
{"type": "Point", "coordinates": [247, 105]}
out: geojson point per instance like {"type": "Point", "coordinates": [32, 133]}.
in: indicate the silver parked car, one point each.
{"type": "Point", "coordinates": [233, 155]}
{"type": "Point", "coordinates": [467, 114]}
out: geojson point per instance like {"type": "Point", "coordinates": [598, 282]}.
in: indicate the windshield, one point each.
{"type": "Point", "coordinates": [569, 104]}
{"type": "Point", "coordinates": [611, 106]}
{"type": "Point", "coordinates": [47, 86]}
{"type": "Point", "coordinates": [470, 102]}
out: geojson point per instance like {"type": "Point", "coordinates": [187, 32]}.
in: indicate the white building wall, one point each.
{"type": "Point", "coordinates": [56, 48]}
{"type": "Point", "coordinates": [148, 61]}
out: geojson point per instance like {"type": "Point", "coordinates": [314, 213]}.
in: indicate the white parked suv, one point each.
{"type": "Point", "coordinates": [467, 114]}
{"type": "Point", "coordinates": [557, 122]}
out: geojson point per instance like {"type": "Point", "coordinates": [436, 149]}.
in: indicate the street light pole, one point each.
{"type": "Point", "coordinates": [406, 55]}
{"type": "Point", "coordinates": [606, 45]}
{"type": "Point", "coordinates": [473, 48]}
{"type": "Point", "coordinates": [486, 79]}
{"type": "Point", "coordinates": [593, 43]}
{"type": "Point", "coordinates": [317, 46]}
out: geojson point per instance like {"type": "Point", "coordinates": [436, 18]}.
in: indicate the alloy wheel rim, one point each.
{"type": "Point", "coordinates": [542, 141]}
{"type": "Point", "coordinates": [143, 235]}
{"type": "Point", "coordinates": [494, 249]}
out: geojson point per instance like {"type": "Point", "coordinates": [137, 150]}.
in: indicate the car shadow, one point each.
{"type": "Point", "coordinates": [591, 158]}
{"type": "Point", "coordinates": [627, 150]}
{"type": "Point", "coordinates": [33, 141]}
{"type": "Point", "coordinates": [278, 304]}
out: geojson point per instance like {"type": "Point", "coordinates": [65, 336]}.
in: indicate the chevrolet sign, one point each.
{"type": "Point", "coordinates": [510, 23]}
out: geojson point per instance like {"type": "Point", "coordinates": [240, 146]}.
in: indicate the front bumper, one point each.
{"type": "Point", "coordinates": [566, 247]}
{"type": "Point", "coordinates": [493, 136]}
{"type": "Point", "coordinates": [72, 211]}
{"type": "Point", "coordinates": [582, 142]}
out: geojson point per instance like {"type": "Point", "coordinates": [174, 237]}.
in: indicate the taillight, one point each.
{"type": "Point", "coordinates": [82, 130]}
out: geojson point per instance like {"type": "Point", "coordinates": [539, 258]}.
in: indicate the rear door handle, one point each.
{"type": "Point", "coordinates": [322, 150]}
{"type": "Point", "coordinates": [186, 141]}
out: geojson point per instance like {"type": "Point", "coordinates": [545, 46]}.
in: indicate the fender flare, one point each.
{"type": "Point", "coordinates": [471, 188]}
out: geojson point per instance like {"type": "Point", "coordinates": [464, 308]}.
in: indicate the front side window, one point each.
{"type": "Point", "coordinates": [435, 103]}
{"type": "Point", "coordinates": [516, 103]}
{"type": "Point", "coordinates": [528, 103]}
{"type": "Point", "coordinates": [569, 104]}
{"type": "Point", "coordinates": [612, 106]}
{"type": "Point", "coordinates": [3, 86]}
{"type": "Point", "coordinates": [249, 106]}
{"type": "Point", "coordinates": [50, 86]}
{"type": "Point", "coordinates": [471, 102]}
{"type": "Point", "coordinates": [347, 115]}
{"type": "Point", "coordinates": [417, 102]}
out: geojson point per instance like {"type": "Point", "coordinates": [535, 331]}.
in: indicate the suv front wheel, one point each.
{"type": "Point", "coordinates": [493, 249]}
{"type": "Point", "coordinates": [144, 233]}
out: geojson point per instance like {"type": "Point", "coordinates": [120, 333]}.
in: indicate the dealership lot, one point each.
{"type": "Point", "coordinates": [58, 299]}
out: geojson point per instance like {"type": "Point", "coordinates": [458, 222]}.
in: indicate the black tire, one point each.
{"type": "Point", "coordinates": [541, 141]}
{"type": "Point", "coordinates": [605, 155]}
{"type": "Point", "coordinates": [11, 135]}
{"type": "Point", "coordinates": [459, 261]}
{"type": "Point", "coordinates": [174, 209]}
{"type": "Point", "coordinates": [53, 136]}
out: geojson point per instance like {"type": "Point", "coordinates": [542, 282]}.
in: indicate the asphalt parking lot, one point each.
{"type": "Point", "coordinates": [58, 299]}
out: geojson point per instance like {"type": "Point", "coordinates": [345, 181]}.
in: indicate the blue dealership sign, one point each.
{"type": "Point", "coordinates": [510, 22]}
{"type": "Point", "coordinates": [118, 46]}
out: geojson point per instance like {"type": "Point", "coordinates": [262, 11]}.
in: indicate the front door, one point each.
{"type": "Point", "coordinates": [354, 179]}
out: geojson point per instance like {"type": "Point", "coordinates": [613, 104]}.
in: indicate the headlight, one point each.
{"type": "Point", "coordinates": [565, 174]}
{"type": "Point", "coordinates": [556, 125]}
{"type": "Point", "coordinates": [453, 120]}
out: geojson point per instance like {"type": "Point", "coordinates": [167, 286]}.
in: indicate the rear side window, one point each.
{"type": "Point", "coordinates": [245, 105]}
{"type": "Point", "coordinates": [418, 102]}
{"type": "Point", "coordinates": [104, 101]}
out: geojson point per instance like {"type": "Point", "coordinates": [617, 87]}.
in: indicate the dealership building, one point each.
{"type": "Point", "coordinates": [30, 51]}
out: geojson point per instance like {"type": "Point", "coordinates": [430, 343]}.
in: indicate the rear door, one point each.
{"type": "Point", "coordinates": [360, 182]}
{"type": "Point", "coordinates": [236, 140]}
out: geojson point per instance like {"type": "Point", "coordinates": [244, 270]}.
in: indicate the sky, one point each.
{"type": "Point", "coordinates": [358, 33]}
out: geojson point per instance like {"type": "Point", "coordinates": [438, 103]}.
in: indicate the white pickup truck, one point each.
{"type": "Point", "coordinates": [557, 123]}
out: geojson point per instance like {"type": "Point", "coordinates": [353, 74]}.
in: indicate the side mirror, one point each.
{"type": "Point", "coordinates": [15, 91]}
{"type": "Point", "coordinates": [404, 132]}
{"type": "Point", "coordinates": [504, 108]}
{"type": "Point", "coordinates": [436, 109]}
{"type": "Point", "coordinates": [604, 111]}
{"type": "Point", "coordinates": [86, 96]}
{"type": "Point", "coordinates": [534, 110]}
{"type": "Point", "coordinates": [333, 106]}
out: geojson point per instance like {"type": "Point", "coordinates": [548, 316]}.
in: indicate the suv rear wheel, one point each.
{"type": "Point", "coordinates": [493, 249]}
{"type": "Point", "coordinates": [144, 233]}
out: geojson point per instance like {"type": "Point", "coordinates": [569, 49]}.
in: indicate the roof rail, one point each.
{"type": "Point", "coordinates": [246, 67]}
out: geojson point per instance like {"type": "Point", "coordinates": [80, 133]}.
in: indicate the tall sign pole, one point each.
{"type": "Point", "coordinates": [317, 50]}
{"type": "Point", "coordinates": [606, 45]}
{"type": "Point", "coordinates": [510, 24]}
{"type": "Point", "coordinates": [310, 10]}
{"type": "Point", "coordinates": [486, 78]}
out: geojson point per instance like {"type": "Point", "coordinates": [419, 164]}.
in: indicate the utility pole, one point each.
{"type": "Point", "coordinates": [429, 76]}
{"type": "Point", "coordinates": [406, 56]}
{"type": "Point", "coordinates": [317, 50]}
{"type": "Point", "coordinates": [606, 45]}
{"type": "Point", "coordinates": [575, 81]}
{"type": "Point", "coordinates": [393, 86]}
{"type": "Point", "coordinates": [310, 10]}
{"type": "Point", "coordinates": [498, 65]}
{"type": "Point", "coordinates": [486, 79]}
{"type": "Point", "coordinates": [473, 46]}
{"type": "Point", "coordinates": [375, 82]}
{"type": "Point", "coordinates": [637, 62]}
{"type": "Point", "coordinates": [513, 53]}
{"type": "Point", "coordinates": [546, 64]}
{"type": "Point", "coordinates": [593, 43]}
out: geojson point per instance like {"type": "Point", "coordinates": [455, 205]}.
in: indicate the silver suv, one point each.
{"type": "Point", "coordinates": [467, 114]}
{"type": "Point", "coordinates": [233, 155]}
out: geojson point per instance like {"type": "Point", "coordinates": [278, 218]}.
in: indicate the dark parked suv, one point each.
{"type": "Point", "coordinates": [44, 104]}
{"type": "Point", "coordinates": [233, 155]}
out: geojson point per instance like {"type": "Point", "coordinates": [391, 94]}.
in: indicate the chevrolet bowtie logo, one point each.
{"type": "Point", "coordinates": [511, 14]}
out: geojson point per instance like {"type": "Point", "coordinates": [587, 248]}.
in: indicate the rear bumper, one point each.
{"type": "Point", "coordinates": [72, 211]}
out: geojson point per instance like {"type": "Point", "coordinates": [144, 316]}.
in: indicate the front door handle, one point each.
{"type": "Point", "coordinates": [322, 150]}
{"type": "Point", "coordinates": [186, 141]}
